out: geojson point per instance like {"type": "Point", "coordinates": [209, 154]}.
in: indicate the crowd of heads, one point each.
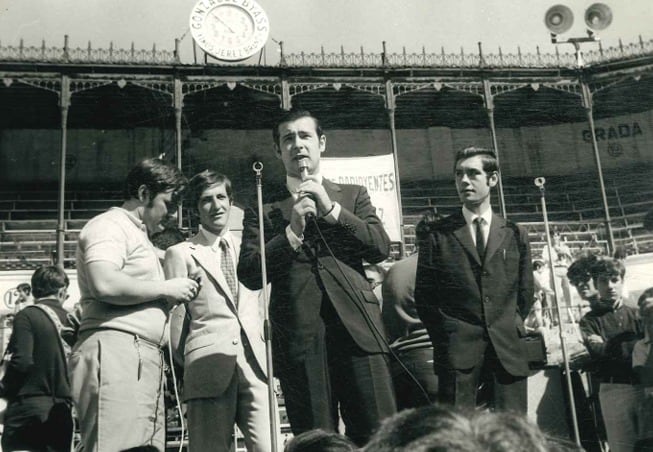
{"type": "Point", "coordinates": [439, 428]}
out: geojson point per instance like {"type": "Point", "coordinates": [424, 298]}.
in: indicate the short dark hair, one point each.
{"type": "Point", "coordinates": [429, 217]}
{"type": "Point", "coordinates": [203, 180]}
{"type": "Point", "coordinates": [320, 440]}
{"type": "Point", "coordinates": [648, 293]}
{"type": "Point", "coordinates": [47, 280]}
{"type": "Point", "coordinates": [489, 158]}
{"type": "Point", "coordinates": [157, 175]}
{"type": "Point", "coordinates": [607, 267]}
{"type": "Point", "coordinates": [580, 271]}
{"type": "Point", "coordinates": [420, 429]}
{"type": "Point", "coordinates": [293, 115]}
{"type": "Point", "coordinates": [168, 237]}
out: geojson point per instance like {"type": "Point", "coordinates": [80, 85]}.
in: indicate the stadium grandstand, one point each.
{"type": "Point", "coordinates": [74, 120]}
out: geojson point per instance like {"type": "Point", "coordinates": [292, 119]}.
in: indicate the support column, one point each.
{"type": "Point", "coordinates": [488, 99]}
{"type": "Point", "coordinates": [178, 104]}
{"type": "Point", "coordinates": [64, 105]}
{"type": "Point", "coordinates": [286, 98]}
{"type": "Point", "coordinates": [588, 106]}
{"type": "Point", "coordinates": [390, 110]}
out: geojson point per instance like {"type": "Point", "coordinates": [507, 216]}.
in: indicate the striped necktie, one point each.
{"type": "Point", "coordinates": [227, 267]}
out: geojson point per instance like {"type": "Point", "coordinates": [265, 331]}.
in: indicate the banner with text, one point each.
{"type": "Point", "coordinates": [377, 174]}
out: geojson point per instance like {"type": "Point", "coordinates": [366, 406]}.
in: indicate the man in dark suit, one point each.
{"type": "Point", "coordinates": [328, 342]}
{"type": "Point", "coordinates": [474, 287]}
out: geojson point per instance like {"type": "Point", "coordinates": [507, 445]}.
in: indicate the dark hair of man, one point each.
{"type": "Point", "coordinates": [157, 175]}
{"type": "Point", "coordinates": [294, 115]}
{"type": "Point", "coordinates": [25, 288]}
{"type": "Point", "coordinates": [47, 280]}
{"type": "Point", "coordinates": [607, 267]}
{"type": "Point", "coordinates": [423, 227]}
{"type": "Point", "coordinates": [319, 440]}
{"type": "Point", "coordinates": [203, 180]}
{"type": "Point", "coordinates": [580, 271]}
{"type": "Point", "coordinates": [648, 293]}
{"type": "Point", "coordinates": [428, 428]}
{"type": "Point", "coordinates": [168, 237]}
{"type": "Point", "coordinates": [488, 157]}
{"type": "Point", "coordinates": [508, 432]}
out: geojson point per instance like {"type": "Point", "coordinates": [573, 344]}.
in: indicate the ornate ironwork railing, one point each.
{"type": "Point", "coordinates": [440, 59]}
{"type": "Point", "coordinates": [67, 54]}
{"type": "Point", "coordinates": [467, 60]}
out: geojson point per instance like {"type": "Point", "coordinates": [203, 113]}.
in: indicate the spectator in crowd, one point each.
{"type": "Point", "coordinates": [413, 377]}
{"type": "Point", "coordinates": [117, 364]}
{"type": "Point", "coordinates": [540, 315]}
{"type": "Point", "coordinates": [445, 429]}
{"type": "Point", "coordinates": [375, 275]}
{"type": "Point", "coordinates": [25, 297]}
{"type": "Point", "coordinates": [610, 331]}
{"type": "Point", "coordinates": [579, 275]}
{"type": "Point", "coordinates": [38, 415]}
{"type": "Point", "coordinates": [473, 290]}
{"type": "Point", "coordinates": [319, 440]}
{"type": "Point", "coordinates": [327, 335]}
{"type": "Point", "coordinates": [560, 256]}
{"type": "Point", "coordinates": [643, 368]}
{"type": "Point", "coordinates": [163, 240]}
{"type": "Point", "coordinates": [220, 334]}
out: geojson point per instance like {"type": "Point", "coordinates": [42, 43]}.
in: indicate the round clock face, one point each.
{"type": "Point", "coordinates": [230, 30]}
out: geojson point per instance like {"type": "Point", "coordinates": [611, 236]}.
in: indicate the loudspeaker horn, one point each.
{"type": "Point", "coordinates": [558, 19]}
{"type": "Point", "coordinates": [598, 16]}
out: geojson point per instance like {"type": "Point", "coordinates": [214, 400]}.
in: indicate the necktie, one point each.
{"type": "Point", "coordinates": [480, 241]}
{"type": "Point", "coordinates": [227, 267]}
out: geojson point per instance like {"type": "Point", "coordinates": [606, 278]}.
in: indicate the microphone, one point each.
{"type": "Point", "coordinates": [303, 173]}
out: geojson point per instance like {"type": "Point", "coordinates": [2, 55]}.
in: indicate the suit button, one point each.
{"type": "Point", "coordinates": [486, 299]}
{"type": "Point", "coordinates": [485, 273]}
{"type": "Point", "coordinates": [235, 342]}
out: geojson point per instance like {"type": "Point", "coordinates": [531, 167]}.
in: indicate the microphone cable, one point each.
{"type": "Point", "coordinates": [378, 336]}
{"type": "Point", "coordinates": [175, 383]}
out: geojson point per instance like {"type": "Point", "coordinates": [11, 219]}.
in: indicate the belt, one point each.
{"type": "Point", "coordinates": [624, 380]}
{"type": "Point", "coordinates": [134, 335]}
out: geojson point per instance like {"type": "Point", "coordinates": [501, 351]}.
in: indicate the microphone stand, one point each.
{"type": "Point", "coordinates": [258, 169]}
{"type": "Point", "coordinates": [539, 182]}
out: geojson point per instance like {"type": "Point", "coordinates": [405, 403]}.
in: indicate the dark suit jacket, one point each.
{"type": "Point", "coordinates": [462, 300]}
{"type": "Point", "coordinates": [301, 280]}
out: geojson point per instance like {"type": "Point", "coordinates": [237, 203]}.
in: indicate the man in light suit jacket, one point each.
{"type": "Point", "coordinates": [328, 342]}
{"type": "Point", "coordinates": [219, 333]}
{"type": "Point", "coordinates": [474, 287]}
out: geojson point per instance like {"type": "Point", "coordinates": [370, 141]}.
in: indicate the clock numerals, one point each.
{"type": "Point", "coordinates": [232, 31]}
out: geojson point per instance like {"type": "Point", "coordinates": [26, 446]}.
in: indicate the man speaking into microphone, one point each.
{"type": "Point", "coordinates": [328, 342]}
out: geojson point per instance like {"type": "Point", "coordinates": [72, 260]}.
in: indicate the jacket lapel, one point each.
{"type": "Point", "coordinates": [496, 237]}
{"type": "Point", "coordinates": [333, 190]}
{"type": "Point", "coordinates": [464, 237]}
{"type": "Point", "coordinates": [208, 260]}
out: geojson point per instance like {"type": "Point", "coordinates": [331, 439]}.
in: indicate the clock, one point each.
{"type": "Point", "coordinates": [229, 30]}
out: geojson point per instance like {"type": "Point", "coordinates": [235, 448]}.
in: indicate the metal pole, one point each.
{"type": "Point", "coordinates": [64, 104]}
{"type": "Point", "coordinates": [390, 109]}
{"type": "Point", "coordinates": [267, 332]}
{"type": "Point", "coordinates": [587, 104]}
{"type": "Point", "coordinates": [178, 104]}
{"type": "Point", "coordinates": [489, 108]}
{"type": "Point", "coordinates": [563, 344]}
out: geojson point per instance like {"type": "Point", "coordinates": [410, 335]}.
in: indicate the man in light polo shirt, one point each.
{"type": "Point", "coordinates": [116, 367]}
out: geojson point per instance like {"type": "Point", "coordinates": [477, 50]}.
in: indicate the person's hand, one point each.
{"type": "Point", "coordinates": [180, 290]}
{"type": "Point", "coordinates": [316, 191]}
{"type": "Point", "coordinates": [303, 206]}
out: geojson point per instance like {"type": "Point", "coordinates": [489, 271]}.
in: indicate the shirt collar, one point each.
{"type": "Point", "coordinates": [133, 218]}
{"type": "Point", "coordinates": [471, 216]}
{"type": "Point", "coordinates": [214, 239]}
{"type": "Point", "coordinates": [293, 183]}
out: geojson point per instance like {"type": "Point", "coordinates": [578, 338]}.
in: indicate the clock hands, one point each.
{"type": "Point", "coordinates": [223, 23]}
